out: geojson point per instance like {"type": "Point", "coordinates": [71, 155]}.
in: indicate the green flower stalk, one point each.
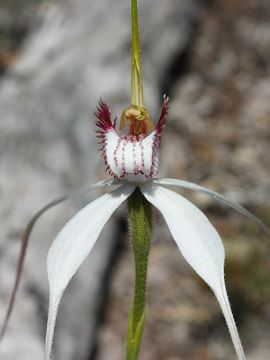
{"type": "Point", "coordinates": [137, 97]}
{"type": "Point", "coordinates": [131, 154]}
{"type": "Point", "coordinates": [140, 213]}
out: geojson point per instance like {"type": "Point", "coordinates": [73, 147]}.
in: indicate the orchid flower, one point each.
{"type": "Point", "coordinates": [131, 154]}
{"type": "Point", "coordinates": [133, 160]}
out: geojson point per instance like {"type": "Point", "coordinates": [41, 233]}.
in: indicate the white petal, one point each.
{"type": "Point", "coordinates": [72, 246]}
{"type": "Point", "coordinates": [215, 195]}
{"type": "Point", "coordinates": [199, 243]}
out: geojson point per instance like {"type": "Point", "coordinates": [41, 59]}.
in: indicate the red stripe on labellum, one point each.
{"type": "Point", "coordinates": [123, 169]}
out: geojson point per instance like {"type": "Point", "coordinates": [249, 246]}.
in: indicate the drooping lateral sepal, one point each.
{"type": "Point", "coordinates": [25, 240]}
{"type": "Point", "coordinates": [73, 244]}
{"type": "Point", "coordinates": [200, 245]}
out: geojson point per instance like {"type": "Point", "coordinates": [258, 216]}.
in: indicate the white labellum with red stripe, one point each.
{"type": "Point", "coordinates": [133, 156]}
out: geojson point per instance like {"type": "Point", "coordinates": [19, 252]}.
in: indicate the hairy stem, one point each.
{"type": "Point", "coordinates": [141, 233]}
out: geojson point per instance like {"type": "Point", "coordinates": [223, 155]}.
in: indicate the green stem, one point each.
{"type": "Point", "coordinates": [141, 233]}
{"type": "Point", "coordinates": [137, 97]}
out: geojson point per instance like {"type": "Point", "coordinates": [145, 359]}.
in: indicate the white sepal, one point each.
{"type": "Point", "coordinates": [72, 246]}
{"type": "Point", "coordinates": [199, 243]}
{"type": "Point", "coordinates": [25, 240]}
{"type": "Point", "coordinates": [219, 197]}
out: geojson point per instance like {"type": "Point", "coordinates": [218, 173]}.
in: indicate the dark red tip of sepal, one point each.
{"type": "Point", "coordinates": [103, 115]}
{"type": "Point", "coordinates": [163, 115]}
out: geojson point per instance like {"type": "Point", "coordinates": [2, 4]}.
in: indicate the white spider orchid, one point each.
{"type": "Point", "coordinates": [132, 157]}
{"type": "Point", "coordinates": [133, 160]}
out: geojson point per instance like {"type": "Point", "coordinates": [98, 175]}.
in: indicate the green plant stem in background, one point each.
{"type": "Point", "coordinates": [137, 97]}
{"type": "Point", "coordinates": [140, 213]}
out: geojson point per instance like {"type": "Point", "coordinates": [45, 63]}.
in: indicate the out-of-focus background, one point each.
{"type": "Point", "coordinates": [57, 58]}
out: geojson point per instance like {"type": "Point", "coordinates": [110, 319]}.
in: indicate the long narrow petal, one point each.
{"type": "Point", "coordinates": [72, 246]}
{"type": "Point", "coordinates": [25, 239]}
{"type": "Point", "coordinates": [199, 243]}
{"type": "Point", "coordinates": [215, 195]}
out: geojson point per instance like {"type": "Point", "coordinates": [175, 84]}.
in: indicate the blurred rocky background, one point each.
{"type": "Point", "coordinates": [211, 57]}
